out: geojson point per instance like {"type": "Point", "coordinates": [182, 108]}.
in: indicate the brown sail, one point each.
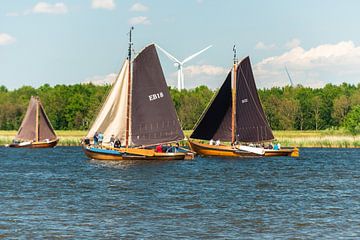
{"type": "Point", "coordinates": [251, 122]}
{"type": "Point", "coordinates": [216, 121]}
{"type": "Point", "coordinates": [35, 115]}
{"type": "Point", "coordinates": [153, 115]}
{"type": "Point", "coordinates": [46, 131]}
{"type": "Point", "coordinates": [27, 130]}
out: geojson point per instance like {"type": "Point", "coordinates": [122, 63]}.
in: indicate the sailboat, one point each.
{"type": "Point", "coordinates": [139, 113]}
{"type": "Point", "coordinates": [235, 115]}
{"type": "Point", "coordinates": [36, 130]}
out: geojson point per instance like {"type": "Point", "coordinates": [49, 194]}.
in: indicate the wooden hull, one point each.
{"type": "Point", "coordinates": [219, 151]}
{"type": "Point", "coordinates": [290, 152]}
{"type": "Point", "coordinates": [228, 151]}
{"type": "Point", "coordinates": [49, 144]}
{"type": "Point", "coordinates": [120, 154]}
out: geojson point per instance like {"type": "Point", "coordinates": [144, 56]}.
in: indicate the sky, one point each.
{"type": "Point", "coordinates": [68, 42]}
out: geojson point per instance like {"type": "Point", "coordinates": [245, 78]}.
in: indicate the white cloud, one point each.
{"type": "Point", "coordinates": [210, 70]}
{"type": "Point", "coordinates": [12, 14]}
{"type": "Point", "coordinates": [292, 43]}
{"type": "Point", "coordinates": [6, 39]}
{"type": "Point", "coordinates": [138, 7]}
{"type": "Point", "coordinates": [262, 46]}
{"type": "Point", "coordinates": [196, 75]}
{"type": "Point", "coordinates": [139, 20]}
{"type": "Point", "coordinates": [41, 8]}
{"type": "Point", "coordinates": [104, 4]}
{"type": "Point", "coordinates": [56, 8]}
{"type": "Point", "coordinates": [101, 80]}
{"type": "Point", "coordinates": [327, 63]}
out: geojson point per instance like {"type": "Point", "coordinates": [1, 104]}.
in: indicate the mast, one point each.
{"type": "Point", "coordinates": [128, 92]}
{"type": "Point", "coordinates": [37, 120]}
{"type": "Point", "coordinates": [233, 91]}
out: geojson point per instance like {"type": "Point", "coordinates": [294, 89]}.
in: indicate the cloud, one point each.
{"type": "Point", "coordinates": [42, 8]}
{"type": "Point", "coordinates": [101, 80]}
{"type": "Point", "coordinates": [56, 8]}
{"type": "Point", "coordinates": [292, 43]}
{"type": "Point", "coordinates": [138, 7]}
{"type": "Point", "coordinates": [12, 14]}
{"type": "Point", "coordinates": [262, 46]}
{"type": "Point", "coordinates": [6, 39]}
{"type": "Point", "coordinates": [210, 70]}
{"type": "Point", "coordinates": [104, 4]}
{"type": "Point", "coordinates": [327, 63]}
{"type": "Point", "coordinates": [139, 20]}
{"type": "Point", "coordinates": [196, 75]}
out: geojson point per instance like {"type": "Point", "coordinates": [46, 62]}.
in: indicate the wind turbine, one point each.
{"type": "Point", "coordinates": [287, 72]}
{"type": "Point", "coordinates": [179, 64]}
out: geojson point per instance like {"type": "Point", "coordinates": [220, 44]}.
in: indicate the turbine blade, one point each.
{"type": "Point", "coordinates": [168, 54]}
{"type": "Point", "coordinates": [287, 72]}
{"type": "Point", "coordinates": [194, 55]}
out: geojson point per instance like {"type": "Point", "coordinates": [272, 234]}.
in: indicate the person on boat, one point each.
{"type": "Point", "coordinates": [86, 141]}
{"type": "Point", "coordinates": [217, 143]}
{"type": "Point", "coordinates": [117, 143]}
{"type": "Point", "coordinates": [96, 138]}
{"type": "Point", "coordinates": [276, 146]}
{"type": "Point", "coordinates": [211, 142]}
{"type": "Point", "coordinates": [100, 138]}
{"type": "Point", "coordinates": [177, 147]}
{"type": "Point", "coordinates": [159, 148]}
{"type": "Point", "coordinates": [112, 140]}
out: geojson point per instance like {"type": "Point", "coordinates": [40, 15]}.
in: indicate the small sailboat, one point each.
{"type": "Point", "coordinates": [36, 130]}
{"type": "Point", "coordinates": [235, 115]}
{"type": "Point", "coordinates": [139, 113]}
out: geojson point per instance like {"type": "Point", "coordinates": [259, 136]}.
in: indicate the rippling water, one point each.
{"type": "Point", "coordinates": [58, 193]}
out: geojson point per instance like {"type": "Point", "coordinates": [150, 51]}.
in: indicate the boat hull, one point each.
{"type": "Point", "coordinates": [49, 144]}
{"type": "Point", "coordinates": [219, 151]}
{"type": "Point", "coordinates": [120, 154]}
{"type": "Point", "coordinates": [290, 152]}
{"type": "Point", "coordinates": [228, 151]}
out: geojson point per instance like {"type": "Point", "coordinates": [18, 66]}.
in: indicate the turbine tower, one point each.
{"type": "Point", "coordinates": [179, 64]}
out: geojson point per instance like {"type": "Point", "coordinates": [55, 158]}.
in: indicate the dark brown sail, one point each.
{"type": "Point", "coordinates": [27, 130]}
{"type": "Point", "coordinates": [46, 131]}
{"type": "Point", "coordinates": [251, 122]}
{"type": "Point", "coordinates": [216, 122]}
{"type": "Point", "coordinates": [153, 115]}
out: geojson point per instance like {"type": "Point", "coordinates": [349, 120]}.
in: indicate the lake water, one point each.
{"type": "Point", "coordinates": [59, 193]}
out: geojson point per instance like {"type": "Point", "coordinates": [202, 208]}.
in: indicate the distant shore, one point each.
{"type": "Point", "coordinates": [321, 139]}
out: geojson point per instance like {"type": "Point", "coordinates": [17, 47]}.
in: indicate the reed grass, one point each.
{"type": "Point", "coordinates": [321, 139]}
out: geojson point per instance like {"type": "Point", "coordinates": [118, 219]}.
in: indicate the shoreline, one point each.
{"type": "Point", "coordinates": [308, 139]}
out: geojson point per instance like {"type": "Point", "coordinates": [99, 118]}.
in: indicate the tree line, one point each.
{"type": "Point", "coordinates": [74, 107]}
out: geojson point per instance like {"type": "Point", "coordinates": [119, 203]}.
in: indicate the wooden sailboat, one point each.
{"type": "Point", "coordinates": [35, 130]}
{"type": "Point", "coordinates": [139, 112]}
{"type": "Point", "coordinates": [235, 115]}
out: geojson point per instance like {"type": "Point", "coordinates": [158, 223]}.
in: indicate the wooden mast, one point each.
{"type": "Point", "coordinates": [233, 94]}
{"type": "Point", "coordinates": [37, 120]}
{"type": "Point", "coordinates": [128, 93]}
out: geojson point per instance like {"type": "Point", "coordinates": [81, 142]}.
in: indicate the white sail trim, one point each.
{"type": "Point", "coordinates": [112, 116]}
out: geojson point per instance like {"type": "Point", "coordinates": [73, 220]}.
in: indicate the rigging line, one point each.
{"type": "Point", "coordinates": [248, 88]}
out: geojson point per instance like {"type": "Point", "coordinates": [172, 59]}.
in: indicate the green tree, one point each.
{"type": "Point", "coordinates": [352, 121]}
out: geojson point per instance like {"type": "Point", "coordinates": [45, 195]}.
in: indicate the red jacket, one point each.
{"type": "Point", "coordinates": [158, 148]}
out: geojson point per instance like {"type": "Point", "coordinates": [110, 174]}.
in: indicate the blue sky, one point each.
{"type": "Point", "coordinates": [66, 42]}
